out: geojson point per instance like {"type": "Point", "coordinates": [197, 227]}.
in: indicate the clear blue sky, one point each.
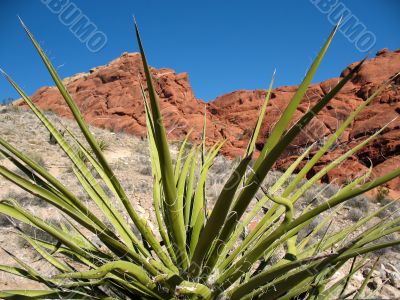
{"type": "Point", "coordinates": [223, 45]}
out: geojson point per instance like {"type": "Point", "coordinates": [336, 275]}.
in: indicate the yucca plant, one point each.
{"type": "Point", "coordinates": [197, 252]}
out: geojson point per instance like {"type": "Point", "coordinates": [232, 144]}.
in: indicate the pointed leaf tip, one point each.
{"type": "Point", "coordinates": [339, 22]}
{"type": "Point", "coordinates": [22, 23]}
{"type": "Point", "coordinates": [19, 18]}
{"type": "Point", "coordinates": [136, 25]}
{"type": "Point", "coordinates": [6, 76]}
{"type": "Point", "coordinates": [273, 75]}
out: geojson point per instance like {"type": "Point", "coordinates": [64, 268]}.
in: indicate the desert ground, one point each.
{"type": "Point", "coordinates": [129, 157]}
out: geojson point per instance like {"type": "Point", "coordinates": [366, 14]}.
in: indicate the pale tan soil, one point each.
{"type": "Point", "coordinates": [130, 160]}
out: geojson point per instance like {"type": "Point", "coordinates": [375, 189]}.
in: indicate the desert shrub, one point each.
{"type": "Point", "coordinates": [311, 195]}
{"type": "Point", "coordinates": [142, 187]}
{"type": "Point", "coordinates": [145, 170]}
{"type": "Point", "coordinates": [11, 108]}
{"type": "Point", "coordinates": [388, 238]}
{"type": "Point", "coordinates": [197, 252]}
{"type": "Point", "coordinates": [361, 203]}
{"type": "Point", "coordinates": [382, 194]}
{"type": "Point", "coordinates": [142, 148]}
{"type": "Point", "coordinates": [104, 145]}
{"type": "Point", "coordinates": [355, 214]}
{"type": "Point", "coordinates": [393, 210]}
{"type": "Point", "coordinates": [80, 153]}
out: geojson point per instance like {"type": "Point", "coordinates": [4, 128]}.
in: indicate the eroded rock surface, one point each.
{"type": "Point", "coordinates": [110, 97]}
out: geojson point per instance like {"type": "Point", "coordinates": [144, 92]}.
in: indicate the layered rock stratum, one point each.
{"type": "Point", "coordinates": [110, 97]}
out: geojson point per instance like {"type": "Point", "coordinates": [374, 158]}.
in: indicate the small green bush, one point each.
{"type": "Point", "coordinates": [103, 145]}
{"type": "Point", "coordinates": [382, 194]}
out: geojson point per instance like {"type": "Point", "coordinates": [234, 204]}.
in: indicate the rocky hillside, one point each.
{"type": "Point", "coordinates": [110, 97]}
{"type": "Point", "coordinates": [129, 158]}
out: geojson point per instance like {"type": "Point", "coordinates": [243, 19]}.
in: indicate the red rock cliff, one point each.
{"type": "Point", "coordinates": [109, 96]}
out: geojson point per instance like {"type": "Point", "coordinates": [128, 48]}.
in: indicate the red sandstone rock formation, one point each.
{"type": "Point", "coordinates": [110, 97]}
